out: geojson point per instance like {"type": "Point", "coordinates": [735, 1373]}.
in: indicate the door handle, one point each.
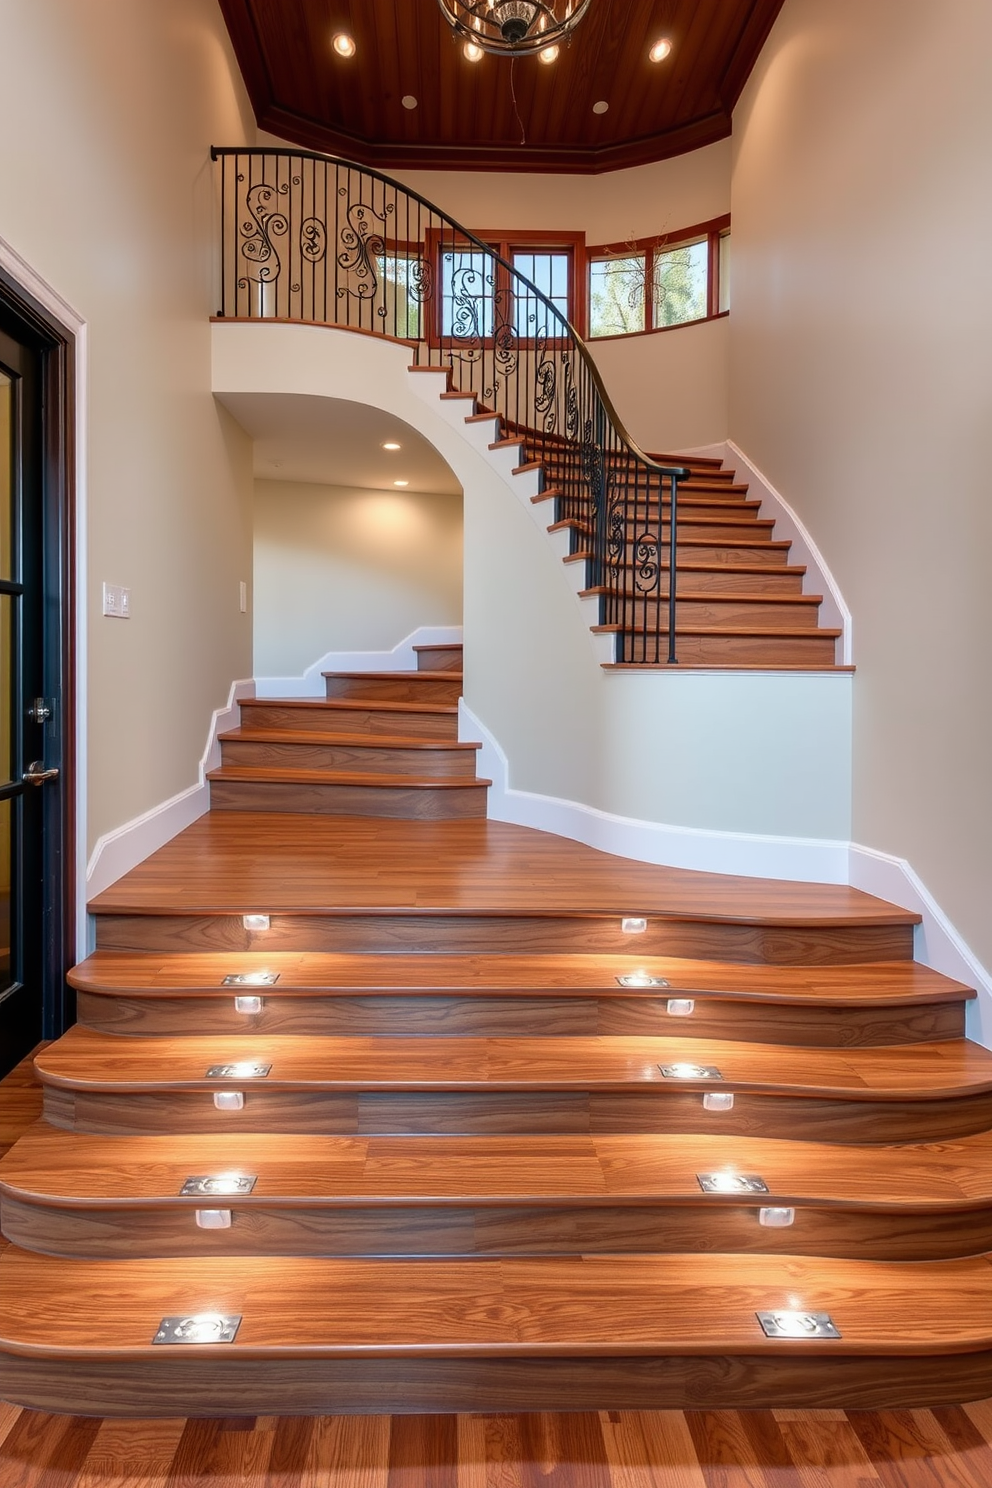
{"type": "Point", "coordinates": [36, 774]}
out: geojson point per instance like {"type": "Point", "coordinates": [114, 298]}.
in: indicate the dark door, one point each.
{"type": "Point", "coordinates": [33, 783]}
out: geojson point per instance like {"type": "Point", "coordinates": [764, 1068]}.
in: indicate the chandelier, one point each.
{"type": "Point", "coordinates": [512, 28]}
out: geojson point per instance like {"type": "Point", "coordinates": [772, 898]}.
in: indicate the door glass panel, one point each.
{"type": "Point", "coordinates": [6, 881]}
{"type": "Point", "coordinates": [6, 475]}
{"type": "Point", "coordinates": [7, 603]}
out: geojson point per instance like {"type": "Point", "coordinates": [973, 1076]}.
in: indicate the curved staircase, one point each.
{"type": "Point", "coordinates": [492, 1122]}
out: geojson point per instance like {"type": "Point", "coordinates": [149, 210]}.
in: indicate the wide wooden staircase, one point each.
{"type": "Point", "coordinates": [405, 1110]}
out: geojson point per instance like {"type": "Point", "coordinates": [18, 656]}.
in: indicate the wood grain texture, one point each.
{"type": "Point", "coordinates": [327, 793]}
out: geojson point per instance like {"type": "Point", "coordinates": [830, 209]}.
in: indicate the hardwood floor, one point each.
{"type": "Point", "coordinates": [946, 1447]}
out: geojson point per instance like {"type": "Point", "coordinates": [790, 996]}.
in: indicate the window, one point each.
{"type": "Point", "coordinates": [654, 284]}
{"type": "Point", "coordinates": [401, 277]}
{"type": "Point", "coordinates": [478, 295]}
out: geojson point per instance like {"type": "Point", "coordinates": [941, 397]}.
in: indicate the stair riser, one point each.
{"type": "Point", "coordinates": [223, 1384]}
{"type": "Point", "coordinates": [704, 612]}
{"type": "Point", "coordinates": [526, 1112]}
{"type": "Point", "coordinates": [720, 650]}
{"type": "Point", "coordinates": [443, 763]}
{"type": "Point", "coordinates": [449, 659]}
{"type": "Point", "coordinates": [492, 1230]}
{"type": "Point", "coordinates": [405, 688]}
{"type": "Point", "coordinates": [768, 583]}
{"type": "Point", "coordinates": [312, 799]}
{"type": "Point", "coordinates": [715, 531]}
{"type": "Point", "coordinates": [825, 945]}
{"type": "Point", "coordinates": [283, 716]}
{"type": "Point", "coordinates": [531, 1016]}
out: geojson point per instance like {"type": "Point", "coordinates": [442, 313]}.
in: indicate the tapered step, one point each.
{"type": "Point", "coordinates": [703, 503]}
{"type": "Point", "coordinates": [705, 611]}
{"type": "Point", "coordinates": [726, 646]}
{"type": "Point", "coordinates": [361, 1086]}
{"type": "Point", "coordinates": [346, 716]}
{"type": "Point", "coordinates": [396, 687]}
{"type": "Point", "coordinates": [692, 527]}
{"type": "Point", "coordinates": [361, 885]}
{"type": "Point", "coordinates": [439, 658]}
{"type": "Point", "coordinates": [746, 574]}
{"type": "Point", "coordinates": [337, 793]}
{"type": "Point", "coordinates": [77, 1195]}
{"type": "Point", "coordinates": [379, 754]}
{"type": "Point", "coordinates": [535, 996]}
{"type": "Point", "coordinates": [613, 1332]}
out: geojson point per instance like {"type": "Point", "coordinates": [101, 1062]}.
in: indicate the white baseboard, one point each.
{"type": "Point", "coordinates": [938, 943]}
{"type": "Point", "coordinates": [402, 658]}
{"type": "Point", "coordinates": [125, 847]}
{"type": "Point", "coordinates": [834, 613]}
{"type": "Point", "coordinates": [796, 858]}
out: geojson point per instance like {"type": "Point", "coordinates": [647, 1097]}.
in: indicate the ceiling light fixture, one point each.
{"type": "Point", "coordinates": [602, 107]}
{"type": "Point", "coordinates": [344, 44]}
{"type": "Point", "coordinates": [661, 49]}
{"type": "Point", "coordinates": [408, 101]}
{"type": "Point", "coordinates": [547, 55]}
{"type": "Point", "coordinates": [401, 483]}
{"type": "Point", "coordinates": [391, 445]}
{"type": "Point", "coordinates": [512, 28]}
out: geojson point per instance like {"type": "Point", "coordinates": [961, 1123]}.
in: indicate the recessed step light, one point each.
{"type": "Point", "coordinates": [199, 1327]}
{"type": "Point", "coordinates": [255, 921]}
{"type": "Point", "coordinates": [732, 1183]}
{"type": "Point", "coordinates": [251, 978]}
{"type": "Point", "coordinates": [213, 1219]}
{"type": "Point", "coordinates": [798, 1325]}
{"type": "Point", "coordinates": [641, 979]}
{"type": "Point", "coordinates": [690, 1071]}
{"type": "Point", "coordinates": [219, 1183]}
{"type": "Point", "coordinates": [680, 1007]}
{"type": "Point", "coordinates": [248, 1005]}
{"type": "Point", "coordinates": [633, 925]}
{"type": "Point", "coordinates": [229, 1100]}
{"type": "Point", "coordinates": [718, 1100]}
{"type": "Point", "coordinates": [244, 1070]}
{"type": "Point", "coordinates": [776, 1219]}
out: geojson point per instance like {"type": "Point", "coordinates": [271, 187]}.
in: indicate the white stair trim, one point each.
{"type": "Point", "coordinates": [402, 658]}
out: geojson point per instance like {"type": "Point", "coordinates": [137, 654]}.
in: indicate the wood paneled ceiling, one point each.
{"type": "Point", "coordinates": [465, 115]}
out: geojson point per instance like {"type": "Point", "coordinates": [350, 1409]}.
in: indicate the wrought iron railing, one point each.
{"type": "Point", "coordinates": [310, 238]}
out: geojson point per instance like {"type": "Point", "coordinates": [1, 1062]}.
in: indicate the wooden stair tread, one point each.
{"type": "Point", "coordinates": [703, 596]}
{"type": "Point", "coordinates": [85, 1060]}
{"type": "Point", "coordinates": [593, 1306]}
{"type": "Point", "coordinates": [49, 1165]}
{"type": "Point", "coordinates": [361, 705]}
{"type": "Point", "coordinates": [239, 862]}
{"type": "Point", "coordinates": [311, 737]}
{"type": "Point", "coordinates": [275, 773]}
{"type": "Point", "coordinates": [397, 676]}
{"type": "Point", "coordinates": [778, 633]}
{"type": "Point", "coordinates": [876, 983]}
{"type": "Point", "coordinates": [724, 666]}
{"type": "Point", "coordinates": [688, 566]}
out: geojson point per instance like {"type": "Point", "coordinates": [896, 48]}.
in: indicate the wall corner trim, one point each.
{"type": "Point", "coordinates": [122, 849]}
{"type": "Point", "coordinates": [402, 658]}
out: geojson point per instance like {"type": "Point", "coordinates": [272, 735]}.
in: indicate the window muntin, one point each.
{"type": "Point", "coordinates": [680, 284]}
{"type": "Point", "coordinates": [616, 295]}
{"type": "Point", "coordinates": [549, 270]}
{"type": "Point", "coordinates": [468, 283]}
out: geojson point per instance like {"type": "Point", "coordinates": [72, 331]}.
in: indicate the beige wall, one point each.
{"type": "Point", "coordinates": [107, 111]}
{"type": "Point", "coordinates": [338, 569]}
{"type": "Point", "coordinates": [861, 383]}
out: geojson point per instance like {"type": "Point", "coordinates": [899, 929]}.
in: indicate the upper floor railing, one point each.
{"type": "Point", "coordinates": [306, 237]}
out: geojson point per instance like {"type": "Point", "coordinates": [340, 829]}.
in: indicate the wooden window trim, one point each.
{"type": "Point", "coordinates": [504, 244]}
{"type": "Point", "coordinates": [712, 231]}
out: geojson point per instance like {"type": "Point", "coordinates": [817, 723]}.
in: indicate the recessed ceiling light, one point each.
{"type": "Point", "coordinates": [408, 101]}
{"type": "Point", "coordinates": [600, 107]}
{"type": "Point", "coordinates": [549, 55]}
{"type": "Point", "coordinates": [661, 49]}
{"type": "Point", "coordinates": [391, 445]}
{"type": "Point", "coordinates": [472, 52]}
{"type": "Point", "coordinates": [401, 483]}
{"type": "Point", "coordinates": [344, 44]}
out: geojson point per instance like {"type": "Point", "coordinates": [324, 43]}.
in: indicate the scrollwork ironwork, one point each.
{"type": "Point", "coordinates": [363, 242]}
{"type": "Point", "coordinates": [647, 562]}
{"type": "Point", "coordinates": [267, 222]}
{"type": "Point", "coordinates": [545, 383]}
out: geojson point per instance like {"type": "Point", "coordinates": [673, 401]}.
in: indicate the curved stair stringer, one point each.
{"type": "Point", "coordinates": [733, 771]}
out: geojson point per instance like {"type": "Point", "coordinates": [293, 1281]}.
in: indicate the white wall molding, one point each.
{"type": "Point", "coordinates": [751, 856]}
{"type": "Point", "coordinates": [938, 943]}
{"type": "Point", "coordinates": [116, 852]}
{"type": "Point", "coordinates": [402, 658]}
{"type": "Point", "coordinates": [834, 613]}
{"type": "Point", "coordinates": [33, 284]}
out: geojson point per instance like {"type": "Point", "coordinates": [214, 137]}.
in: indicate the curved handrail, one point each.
{"type": "Point", "coordinates": [280, 223]}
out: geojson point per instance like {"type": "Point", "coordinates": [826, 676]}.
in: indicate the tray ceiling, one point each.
{"type": "Point", "coordinates": [465, 115]}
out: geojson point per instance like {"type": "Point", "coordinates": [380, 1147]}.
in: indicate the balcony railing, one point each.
{"type": "Point", "coordinates": [309, 238]}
